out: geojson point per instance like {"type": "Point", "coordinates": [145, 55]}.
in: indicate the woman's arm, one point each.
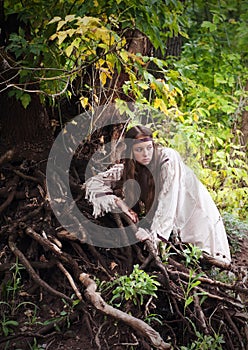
{"type": "Point", "coordinates": [125, 209]}
{"type": "Point", "coordinates": [99, 192]}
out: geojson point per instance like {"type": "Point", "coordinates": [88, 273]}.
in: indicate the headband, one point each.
{"type": "Point", "coordinates": [145, 139]}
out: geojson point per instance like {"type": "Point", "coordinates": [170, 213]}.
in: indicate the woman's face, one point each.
{"type": "Point", "coordinates": [143, 152]}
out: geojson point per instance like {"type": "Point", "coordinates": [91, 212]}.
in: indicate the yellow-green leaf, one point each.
{"type": "Point", "coordinates": [103, 78]}
{"type": "Point", "coordinates": [195, 117]}
{"type": "Point", "coordinates": [69, 50]}
{"type": "Point", "coordinates": [159, 103]}
{"type": "Point", "coordinates": [103, 34]}
{"type": "Point", "coordinates": [54, 36]}
{"type": "Point", "coordinates": [61, 37]}
{"type": "Point", "coordinates": [54, 20]}
{"type": "Point", "coordinates": [71, 32]}
{"type": "Point", "coordinates": [69, 18]}
{"type": "Point", "coordinates": [84, 101]}
{"type": "Point", "coordinates": [124, 55]}
{"type": "Point", "coordinates": [25, 100]}
{"type": "Point", "coordinates": [60, 24]}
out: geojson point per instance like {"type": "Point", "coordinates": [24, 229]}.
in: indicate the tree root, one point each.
{"type": "Point", "coordinates": [139, 325]}
{"type": "Point", "coordinates": [31, 271]}
{"type": "Point", "coordinates": [11, 194]}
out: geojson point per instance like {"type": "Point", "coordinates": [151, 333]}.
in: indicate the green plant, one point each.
{"type": "Point", "coordinates": [134, 287]}
{"type": "Point", "coordinates": [236, 230]}
{"type": "Point", "coordinates": [68, 310]}
{"type": "Point", "coordinates": [30, 313]}
{"type": "Point", "coordinates": [222, 276]}
{"type": "Point", "coordinates": [192, 255]}
{"type": "Point", "coordinates": [36, 346]}
{"type": "Point", "coordinates": [192, 283]}
{"type": "Point", "coordinates": [64, 315]}
{"type": "Point", "coordinates": [8, 311]}
{"type": "Point", "coordinates": [7, 325]}
{"type": "Point", "coordinates": [205, 342]}
{"type": "Point", "coordinates": [13, 285]}
{"type": "Point", "coordinates": [151, 318]}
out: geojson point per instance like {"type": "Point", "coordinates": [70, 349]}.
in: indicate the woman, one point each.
{"type": "Point", "coordinates": [165, 190]}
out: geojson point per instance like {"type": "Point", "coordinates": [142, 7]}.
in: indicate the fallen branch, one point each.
{"type": "Point", "coordinates": [138, 325]}
{"type": "Point", "coordinates": [53, 247]}
{"type": "Point", "coordinates": [70, 279]}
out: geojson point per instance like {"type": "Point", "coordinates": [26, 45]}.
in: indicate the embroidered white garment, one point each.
{"type": "Point", "coordinates": [184, 207]}
{"type": "Point", "coordinates": [187, 208]}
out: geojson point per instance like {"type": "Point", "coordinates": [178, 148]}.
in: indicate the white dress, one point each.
{"type": "Point", "coordinates": [184, 207]}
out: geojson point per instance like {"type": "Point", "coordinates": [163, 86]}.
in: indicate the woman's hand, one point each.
{"type": "Point", "coordinates": [142, 234]}
{"type": "Point", "coordinates": [125, 209]}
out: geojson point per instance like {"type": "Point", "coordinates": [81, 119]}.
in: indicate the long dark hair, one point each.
{"type": "Point", "coordinates": [146, 176]}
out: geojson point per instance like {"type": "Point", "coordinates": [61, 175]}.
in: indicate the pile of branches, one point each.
{"type": "Point", "coordinates": [190, 301]}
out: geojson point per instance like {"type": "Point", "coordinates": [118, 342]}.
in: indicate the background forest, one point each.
{"type": "Point", "coordinates": [184, 62]}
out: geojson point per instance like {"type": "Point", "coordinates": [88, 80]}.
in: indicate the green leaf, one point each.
{"type": "Point", "coordinates": [209, 25]}
{"type": "Point", "coordinates": [25, 100]}
{"type": "Point", "coordinates": [188, 301]}
{"type": "Point", "coordinates": [11, 323]}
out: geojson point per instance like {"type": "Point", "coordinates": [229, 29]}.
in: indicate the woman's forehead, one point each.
{"type": "Point", "coordinates": [141, 136]}
{"type": "Point", "coordinates": [143, 143]}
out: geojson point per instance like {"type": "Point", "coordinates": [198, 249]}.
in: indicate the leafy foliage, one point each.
{"type": "Point", "coordinates": [200, 95]}
{"type": "Point", "coordinates": [205, 342]}
{"type": "Point", "coordinates": [133, 287]}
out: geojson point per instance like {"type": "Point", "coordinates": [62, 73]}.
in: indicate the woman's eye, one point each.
{"type": "Point", "coordinates": [150, 147]}
{"type": "Point", "coordinates": [139, 149]}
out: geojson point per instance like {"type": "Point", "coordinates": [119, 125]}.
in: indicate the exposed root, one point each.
{"type": "Point", "coordinates": [139, 325]}
{"type": "Point", "coordinates": [31, 271]}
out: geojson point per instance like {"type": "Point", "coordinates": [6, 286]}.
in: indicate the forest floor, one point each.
{"type": "Point", "coordinates": [78, 337]}
{"type": "Point", "coordinates": [81, 332]}
{"type": "Point", "coordinates": [38, 306]}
